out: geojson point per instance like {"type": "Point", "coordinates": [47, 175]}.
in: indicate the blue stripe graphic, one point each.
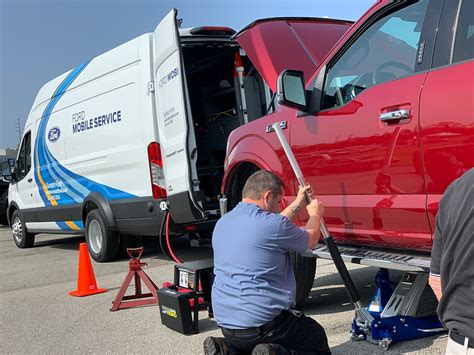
{"type": "Point", "coordinates": [64, 186]}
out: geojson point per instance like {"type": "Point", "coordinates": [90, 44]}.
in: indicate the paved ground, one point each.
{"type": "Point", "coordinates": [38, 316]}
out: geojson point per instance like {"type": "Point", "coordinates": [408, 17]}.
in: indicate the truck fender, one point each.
{"type": "Point", "coordinates": [244, 152]}
{"type": "Point", "coordinates": [103, 205]}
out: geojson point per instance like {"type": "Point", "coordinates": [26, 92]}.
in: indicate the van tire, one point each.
{"type": "Point", "coordinates": [22, 238]}
{"type": "Point", "coordinates": [305, 270]}
{"type": "Point", "coordinates": [102, 242]}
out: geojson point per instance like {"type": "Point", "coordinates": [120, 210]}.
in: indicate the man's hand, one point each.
{"type": "Point", "coordinates": [315, 208]}
{"type": "Point", "coordinates": [300, 200]}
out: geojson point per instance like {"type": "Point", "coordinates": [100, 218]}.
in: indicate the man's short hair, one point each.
{"type": "Point", "coordinates": [262, 181]}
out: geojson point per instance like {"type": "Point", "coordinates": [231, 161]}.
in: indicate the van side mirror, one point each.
{"type": "Point", "coordinates": [290, 89]}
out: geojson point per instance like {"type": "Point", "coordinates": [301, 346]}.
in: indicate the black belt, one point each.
{"type": "Point", "coordinates": [258, 330]}
{"type": "Point", "coordinates": [460, 339]}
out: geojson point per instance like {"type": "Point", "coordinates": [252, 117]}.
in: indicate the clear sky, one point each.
{"type": "Point", "coordinates": [41, 39]}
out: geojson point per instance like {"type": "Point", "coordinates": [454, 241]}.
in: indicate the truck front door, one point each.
{"type": "Point", "coordinates": [361, 152]}
{"type": "Point", "coordinates": [175, 125]}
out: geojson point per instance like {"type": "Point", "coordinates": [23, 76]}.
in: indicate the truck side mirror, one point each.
{"type": "Point", "coordinates": [290, 89]}
{"type": "Point", "coordinates": [7, 174]}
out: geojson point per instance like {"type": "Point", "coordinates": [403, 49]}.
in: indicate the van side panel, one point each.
{"type": "Point", "coordinates": [103, 125]}
{"type": "Point", "coordinates": [93, 136]}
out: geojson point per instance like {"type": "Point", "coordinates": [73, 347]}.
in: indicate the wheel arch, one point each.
{"type": "Point", "coordinates": [12, 207]}
{"type": "Point", "coordinates": [96, 201]}
{"type": "Point", "coordinates": [244, 153]}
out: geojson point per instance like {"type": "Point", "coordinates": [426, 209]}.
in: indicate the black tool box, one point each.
{"type": "Point", "coordinates": [175, 310]}
{"type": "Point", "coordinates": [192, 281]}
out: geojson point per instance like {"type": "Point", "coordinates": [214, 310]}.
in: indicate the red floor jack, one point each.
{"type": "Point", "coordinates": [136, 272]}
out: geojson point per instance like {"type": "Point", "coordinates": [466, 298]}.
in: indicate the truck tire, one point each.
{"type": "Point", "coordinates": [3, 208]}
{"type": "Point", "coordinates": [305, 270]}
{"type": "Point", "coordinates": [102, 242]}
{"type": "Point", "coordinates": [128, 241]}
{"type": "Point", "coordinates": [237, 184]}
{"type": "Point", "coordinates": [22, 238]}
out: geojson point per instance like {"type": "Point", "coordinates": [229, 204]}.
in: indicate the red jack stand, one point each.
{"type": "Point", "coordinates": [138, 274]}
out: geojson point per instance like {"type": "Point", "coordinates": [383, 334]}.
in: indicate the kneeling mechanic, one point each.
{"type": "Point", "coordinates": [254, 288]}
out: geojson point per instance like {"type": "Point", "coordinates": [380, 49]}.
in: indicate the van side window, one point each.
{"type": "Point", "coordinates": [24, 158]}
{"type": "Point", "coordinates": [385, 51]}
{"type": "Point", "coordinates": [463, 46]}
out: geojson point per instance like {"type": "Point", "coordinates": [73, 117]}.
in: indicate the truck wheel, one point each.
{"type": "Point", "coordinates": [129, 241]}
{"type": "Point", "coordinates": [21, 237]}
{"type": "Point", "coordinates": [305, 269]}
{"type": "Point", "coordinates": [3, 208]}
{"type": "Point", "coordinates": [102, 242]}
{"type": "Point", "coordinates": [237, 184]}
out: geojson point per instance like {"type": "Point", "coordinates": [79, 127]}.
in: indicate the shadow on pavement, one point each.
{"type": "Point", "coordinates": [207, 325]}
{"type": "Point", "coordinates": [181, 247]}
{"type": "Point", "coordinates": [60, 242]}
{"type": "Point", "coordinates": [329, 296]}
{"type": "Point", "coordinates": [364, 347]}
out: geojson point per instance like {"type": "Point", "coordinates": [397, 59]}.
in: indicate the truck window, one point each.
{"type": "Point", "coordinates": [24, 157]}
{"type": "Point", "coordinates": [385, 51]}
{"type": "Point", "coordinates": [463, 46]}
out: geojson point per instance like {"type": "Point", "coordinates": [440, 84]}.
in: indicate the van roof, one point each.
{"type": "Point", "coordinates": [207, 31]}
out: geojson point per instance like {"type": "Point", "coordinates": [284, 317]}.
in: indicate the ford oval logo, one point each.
{"type": "Point", "coordinates": [54, 134]}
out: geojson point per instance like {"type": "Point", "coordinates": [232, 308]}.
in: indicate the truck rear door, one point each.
{"type": "Point", "coordinates": [176, 133]}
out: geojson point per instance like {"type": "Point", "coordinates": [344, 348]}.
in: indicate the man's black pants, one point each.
{"type": "Point", "coordinates": [291, 329]}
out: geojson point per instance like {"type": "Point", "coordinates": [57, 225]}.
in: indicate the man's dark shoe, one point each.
{"type": "Point", "coordinates": [270, 349]}
{"type": "Point", "coordinates": [215, 346]}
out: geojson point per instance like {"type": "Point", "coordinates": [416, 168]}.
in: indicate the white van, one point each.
{"type": "Point", "coordinates": [110, 144]}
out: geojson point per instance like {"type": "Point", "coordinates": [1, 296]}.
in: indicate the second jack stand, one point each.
{"type": "Point", "coordinates": [135, 272]}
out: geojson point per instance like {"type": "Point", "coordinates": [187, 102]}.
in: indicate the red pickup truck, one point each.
{"type": "Point", "coordinates": [380, 127]}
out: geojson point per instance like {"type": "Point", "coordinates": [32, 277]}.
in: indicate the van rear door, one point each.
{"type": "Point", "coordinates": [175, 127]}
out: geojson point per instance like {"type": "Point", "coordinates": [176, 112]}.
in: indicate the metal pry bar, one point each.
{"type": "Point", "coordinates": [363, 315]}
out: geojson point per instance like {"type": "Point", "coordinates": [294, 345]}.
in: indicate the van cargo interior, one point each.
{"type": "Point", "coordinates": [214, 95]}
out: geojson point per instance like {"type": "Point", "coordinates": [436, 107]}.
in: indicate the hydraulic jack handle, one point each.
{"type": "Point", "coordinates": [363, 314]}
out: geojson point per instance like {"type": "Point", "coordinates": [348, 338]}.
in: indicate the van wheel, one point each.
{"type": "Point", "coordinates": [305, 270]}
{"type": "Point", "coordinates": [21, 237]}
{"type": "Point", "coordinates": [102, 242]}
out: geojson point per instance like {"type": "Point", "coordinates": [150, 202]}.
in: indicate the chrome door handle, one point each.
{"type": "Point", "coordinates": [394, 115]}
{"type": "Point", "coordinates": [283, 125]}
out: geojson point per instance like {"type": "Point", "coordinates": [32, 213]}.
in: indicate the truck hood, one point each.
{"type": "Point", "coordinates": [276, 44]}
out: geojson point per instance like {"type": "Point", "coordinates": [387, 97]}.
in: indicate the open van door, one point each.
{"type": "Point", "coordinates": [175, 127]}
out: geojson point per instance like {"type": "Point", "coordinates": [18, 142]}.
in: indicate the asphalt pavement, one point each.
{"type": "Point", "coordinates": [38, 315]}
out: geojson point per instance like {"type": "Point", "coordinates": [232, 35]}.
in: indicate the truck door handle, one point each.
{"type": "Point", "coordinates": [394, 115]}
{"type": "Point", "coordinates": [283, 125]}
{"type": "Point", "coordinates": [30, 180]}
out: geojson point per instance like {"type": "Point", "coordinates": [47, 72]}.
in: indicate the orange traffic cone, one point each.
{"type": "Point", "coordinates": [86, 284]}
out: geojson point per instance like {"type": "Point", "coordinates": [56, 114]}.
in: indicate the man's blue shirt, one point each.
{"type": "Point", "coordinates": [254, 279]}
